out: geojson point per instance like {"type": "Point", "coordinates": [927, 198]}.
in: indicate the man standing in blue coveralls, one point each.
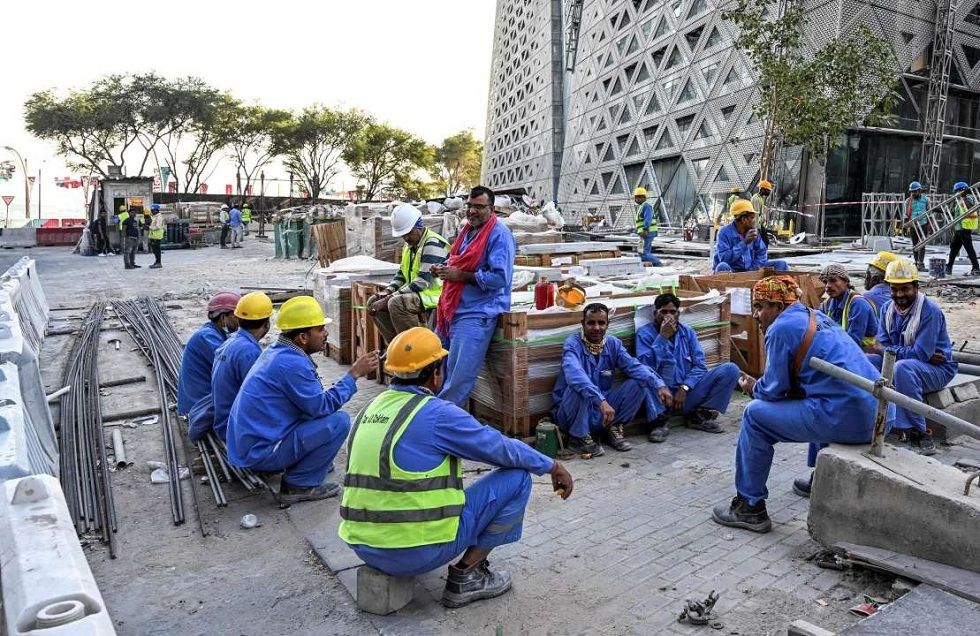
{"type": "Point", "coordinates": [646, 226]}
{"type": "Point", "coordinates": [282, 419]}
{"type": "Point", "coordinates": [475, 291]}
{"type": "Point", "coordinates": [740, 247]}
{"type": "Point", "coordinates": [404, 510]}
{"type": "Point", "coordinates": [194, 381]}
{"type": "Point", "coordinates": [586, 401]}
{"type": "Point", "coordinates": [916, 207]}
{"type": "Point", "coordinates": [914, 327]}
{"type": "Point", "coordinates": [672, 350]}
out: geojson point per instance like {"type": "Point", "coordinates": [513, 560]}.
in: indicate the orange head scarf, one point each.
{"type": "Point", "coordinates": [781, 288]}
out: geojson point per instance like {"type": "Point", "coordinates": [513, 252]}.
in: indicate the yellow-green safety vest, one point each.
{"type": "Point", "coordinates": [384, 506]}
{"type": "Point", "coordinates": [156, 234]}
{"type": "Point", "coordinates": [639, 218]}
{"type": "Point", "coordinates": [825, 308]}
{"type": "Point", "coordinates": [246, 214]}
{"type": "Point", "coordinates": [123, 217]}
{"type": "Point", "coordinates": [411, 263]}
{"type": "Point", "coordinates": [969, 222]}
{"type": "Point", "coordinates": [759, 205]}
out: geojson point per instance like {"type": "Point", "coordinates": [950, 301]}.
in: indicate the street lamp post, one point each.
{"type": "Point", "coordinates": [27, 182]}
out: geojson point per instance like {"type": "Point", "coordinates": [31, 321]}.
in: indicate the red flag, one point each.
{"type": "Point", "coordinates": [204, 188]}
{"type": "Point", "coordinates": [228, 188]}
{"type": "Point", "coordinates": [172, 187]}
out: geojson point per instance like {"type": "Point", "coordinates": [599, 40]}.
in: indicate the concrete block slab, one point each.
{"type": "Point", "coordinates": [379, 593]}
{"type": "Point", "coordinates": [969, 411]}
{"type": "Point", "coordinates": [941, 398]}
{"type": "Point", "coordinates": [902, 502]}
{"type": "Point", "coordinates": [965, 392]}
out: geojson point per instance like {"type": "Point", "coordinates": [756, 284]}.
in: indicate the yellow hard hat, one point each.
{"type": "Point", "coordinates": [413, 350]}
{"type": "Point", "coordinates": [882, 260]}
{"type": "Point", "coordinates": [122, 208]}
{"type": "Point", "coordinates": [254, 306]}
{"type": "Point", "coordinates": [765, 184]}
{"type": "Point", "coordinates": [640, 192]}
{"type": "Point", "coordinates": [734, 190]}
{"type": "Point", "coordinates": [741, 207]}
{"type": "Point", "coordinates": [301, 312]}
{"type": "Point", "coordinates": [901, 270]}
{"type": "Point", "coordinates": [570, 296]}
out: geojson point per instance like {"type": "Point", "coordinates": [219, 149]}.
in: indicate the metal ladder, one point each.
{"type": "Point", "coordinates": [941, 218]}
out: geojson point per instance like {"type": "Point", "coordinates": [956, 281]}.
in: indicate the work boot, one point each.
{"type": "Point", "coordinates": [921, 267]}
{"type": "Point", "coordinates": [702, 419]}
{"type": "Point", "coordinates": [922, 440]}
{"type": "Point", "coordinates": [156, 266]}
{"type": "Point", "coordinates": [742, 515]}
{"type": "Point", "coordinates": [585, 446]}
{"type": "Point", "coordinates": [616, 438]}
{"type": "Point", "coordinates": [803, 485]}
{"type": "Point", "coordinates": [474, 583]}
{"type": "Point", "coordinates": [660, 430]}
{"type": "Point", "coordinates": [288, 495]}
{"type": "Point", "coordinates": [949, 270]}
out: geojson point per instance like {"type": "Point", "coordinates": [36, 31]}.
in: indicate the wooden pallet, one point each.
{"type": "Point", "coordinates": [364, 334]}
{"type": "Point", "coordinates": [330, 239]}
{"type": "Point", "coordinates": [556, 260]}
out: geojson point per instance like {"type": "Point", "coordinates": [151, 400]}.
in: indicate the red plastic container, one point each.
{"type": "Point", "coordinates": [544, 294]}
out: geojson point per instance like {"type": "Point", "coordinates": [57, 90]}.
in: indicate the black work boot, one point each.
{"type": "Point", "coordinates": [803, 485]}
{"type": "Point", "coordinates": [289, 494]}
{"type": "Point", "coordinates": [586, 446]}
{"type": "Point", "coordinates": [923, 441]}
{"type": "Point", "coordinates": [617, 439]}
{"type": "Point", "coordinates": [742, 515]}
{"type": "Point", "coordinates": [702, 419]}
{"type": "Point", "coordinates": [474, 583]}
{"type": "Point", "coordinates": [660, 430]}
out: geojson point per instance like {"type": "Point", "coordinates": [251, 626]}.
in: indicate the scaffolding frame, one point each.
{"type": "Point", "coordinates": [934, 125]}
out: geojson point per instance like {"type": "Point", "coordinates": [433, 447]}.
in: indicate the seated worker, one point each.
{"type": "Point", "coordinates": [194, 381]}
{"type": "Point", "coordinates": [855, 314]}
{"type": "Point", "coordinates": [740, 247]}
{"type": "Point", "coordinates": [585, 399]}
{"type": "Point", "coordinates": [792, 401]}
{"type": "Point", "coordinates": [404, 509]}
{"type": "Point", "coordinates": [282, 419]}
{"type": "Point", "coordinates": [414, 290]}
{"type": "Point", "coordinates": [914, 327]}
{"type": "Point", "coordinates": [672, 350]}
{"type": "Point", "coordinates": [232, 362]}
{"type": "Point", "coordinates": [876, 289]}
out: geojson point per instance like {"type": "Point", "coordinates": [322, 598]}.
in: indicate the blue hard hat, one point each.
{"type": "Point", "coordinates": [154, 207]}
{"type": "Point", "coordinates": [915, 185]}
{"type": "Point", "coordinates": [960, 185]}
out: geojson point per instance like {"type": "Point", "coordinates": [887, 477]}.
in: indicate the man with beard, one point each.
{"type": "Point", "coordinates": [876, 289]}
{"type": "Point", "coordinates": [854, 313]}
{"type": "Point", "coordinates": [585, 399]}
{"type": "Point", "coordinates": [792, 401]}
{"type": "Point", "coordinates": [740, 247]}
{"type": "Point", "coordinates": [914, 327]}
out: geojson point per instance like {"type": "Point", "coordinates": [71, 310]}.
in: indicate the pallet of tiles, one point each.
{"type": "Point", "coordinates": [336, 306]}
{"type": "Point", "coordinates": [330, 239]}
{"type": "Point", "coordinates": [557, 260]}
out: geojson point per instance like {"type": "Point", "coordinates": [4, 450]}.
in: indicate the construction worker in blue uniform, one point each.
{"type": "Point", "coordinates": [282, 419]}
{"type": "Point", "coordinates": [916, 206]}
{"type": "Point", "coordinates": [855, 314]}
{"type": "Point", "coordinates": [964, 228]}
{"type": "Point", "coordinates": [914, 327]}
{"type": "Point", "coordinates": [671, 349]}
{"type": "Point", "coordinates": [876, 289]}
{"type": "Point", "coordinates": [475, 291]}
{"type": "Point", "coordinates": [194, 381]}
{"type": "Point", "coordinates": [585, 400]}
{"type": "Point", "coordinates": [740, 247]}
{"type": "Point", "coordinates": [405, 511]}
{"type": "Point", "coordinates": [646, 226]}
{"type": "Point", "coordinates": [232, 362]}
{"type": "Point", "coordinates": [792, 401]}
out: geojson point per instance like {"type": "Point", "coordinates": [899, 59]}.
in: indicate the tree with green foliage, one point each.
{"type": "Point", "coordinates": [807, 97]}
{"type": "Point", "coordinates": [412, 186]}
{"type": "Point", "coordinates": [251, 131]}
{"type": "Point", "coordinates": [379, 152]}
{"type": "Point", "coordinates": [458, 162]}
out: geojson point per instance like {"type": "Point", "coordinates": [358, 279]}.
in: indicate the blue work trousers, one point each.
{"type": "Point", "coordinates": [578, 417]}
{"type": "Point", "coordinates": [493, 515]}
{"type": "Point", "coordinates": [779, 266]}
{"type": "Point", "coordinates": [766, 423]}
{"type": "Point", "coordinates": [648, 256]}
{"type": "Point", "coordinates": [714, 390]}
{"type": "Point", "coordinates": [306, 454]}
{"type": "Point", "coordinates": [915, 378]}
{"type": "Point", "coordinates": [469, 339]}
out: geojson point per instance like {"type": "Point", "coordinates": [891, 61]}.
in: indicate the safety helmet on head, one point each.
{"type": "Point", "coordinates": [734, 190]}
{"type": "Point", "coordinates": [254, 306]}
{"type": "Point", "coordinates": [742, 207]}
{"type": "Point", "coordinates": [301, 312]}
{"type": "Point", "coordinates": [413, 350]}
{"type": "Point", "coordinates": [901, 270]}
{"type": "Point", "coordinates": [223, 301]}
{"type": "Point", "coordinates": [882, 260]}
{"type": "Point", "coordinates": [765, 184]}
{"type": "Point", "coordinates": [224, 207]}
{"type": "Point", "coordinates": [154, 207]}
{"type": "Point", "coordinates": [122, 208]}
{"type": "Point", "coordinates": [960, 185]}
{"type": "Point", "coordinates": [403, 219]}
{"type": "Point", "coordinates": [915, 186]}
{"type": "Point", "coordinates": [640, 192]}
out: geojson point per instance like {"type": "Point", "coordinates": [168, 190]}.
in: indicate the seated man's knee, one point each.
{"type": "Point", "coordinates": [905, 375]}
{"type": "Point", "coordinates": [780, 266]}
{"type": "Point", "coordinates": [723, 267]}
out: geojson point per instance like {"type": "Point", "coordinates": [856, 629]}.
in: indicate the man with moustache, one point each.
{"type": "Point", "coordinates": [854, 313]}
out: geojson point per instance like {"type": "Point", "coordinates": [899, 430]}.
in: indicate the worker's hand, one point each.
{"type": "Point", "coordinates": [561, 480]}
{"type": "Point", "coordinates": [680, 396]}
{"type": "Point", "coordinates": [668, 327]}
{"type": "Point", "coordinates": [379, 306]}
{"type": "Point", "coordinates": [643, 235]}
{"type": "Point", "coordinates": [365, 364]}
{"type": "Point", "coordinates": [875, 347]}
{"type": "Point", "coordinates": [747, 384]}
{"type": "Point", "coordinates": [446, 272]}
{"type": "Point", "coordinates": [608, 413]}
{"type": "Point", "coordinates": [937, 358]}
{"type": "Point", "coordinates": [666, 396]}
{"type": "Point", "coordinates": [751, 236]}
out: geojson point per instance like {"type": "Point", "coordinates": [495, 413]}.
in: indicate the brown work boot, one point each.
{"type": "Point", "coordinates": [740, 514]}
{"type": "Point", "coordinates": [586, 446]}
{"type": "Point", "coordinates": [616, 438]}
{"type": "Point", "coordinates": [474, 583]}
{"type": "Point", "coordinates": [704, 420]}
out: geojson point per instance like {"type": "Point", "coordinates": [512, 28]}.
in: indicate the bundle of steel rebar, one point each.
{"type": "Point", "coordinates": [84, 468]}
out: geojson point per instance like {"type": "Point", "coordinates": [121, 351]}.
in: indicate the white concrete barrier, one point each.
{"type": "Point", "coordinates": [30, 303]}
{"type": "Point", "coordinates": [22, 450]}
{"type": "Point", "coordinates": [48, 588]}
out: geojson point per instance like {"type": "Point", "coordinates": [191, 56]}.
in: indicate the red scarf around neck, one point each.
{"type": "Point", "coordinates": [468, 261]}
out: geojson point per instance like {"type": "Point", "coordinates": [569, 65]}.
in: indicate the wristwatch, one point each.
{"type": "Point", "coordinates": [686, 388]}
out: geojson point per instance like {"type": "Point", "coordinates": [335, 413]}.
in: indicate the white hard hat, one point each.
{"type": "Point", "coordinates": [403, 219]}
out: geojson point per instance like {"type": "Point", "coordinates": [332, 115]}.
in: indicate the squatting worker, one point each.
{"type": "Point", "coordinates": [232, 362]}
{"type": "Point", "coordinates": [475, 291]}
{"type": "Point", "coordinates": [854, 313]}
{"type": "Point", "coordinates": [283, 419]}
{"type": "Point", "coordinates": [404, 509]}
{"type": "Point", "coordinates": [585, 399]}
{"type": "Point", "coordinates": [740, 247]}
{"type": "Point", "coordinates": [876, 289]}
{"type": "Point", "coordinates": [671, 349]}
{"type": "Point", "coordinates": [792, 401]}
{"type": "Point", "coordinates": [414, 291]}
{"type": "Point", "coordinates": [914, 327]}
{"type": "Point", "coordinates": [194, 381]}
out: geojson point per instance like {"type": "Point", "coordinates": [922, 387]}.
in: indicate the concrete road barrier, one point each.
{"type": "Point", "coordinates": [18, 237]}
{"type": "Point", "coordinates": [22, 284]}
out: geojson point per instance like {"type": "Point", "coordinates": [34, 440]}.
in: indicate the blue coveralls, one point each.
{"type": "Point", "coordinates": [680, 360]}
{"type": "Point", "coordinates": [914, 375]}
{"type": "Point", "coordinates": [283, 420]}
{"type": "Point", "coordinates": [232, 362]}
{"type": "Point", "coordinates": [833, 411]}
{"type": "Point", "coordinates": [648, 256]}
{"type": "Point", "coordinates": [476, 315]}
{"type": "Point", "coordinates": [879, 295]}
{"type": "Point", "coordinates": [493, 514]}
{"type": "Point", "coordinates": [733, 255]}
{"type": "Point", "coordinates": [194, 381]}
{"type": "Point", "coordinates": [862, 319]}
{"type": "Point", "coordinates": [586, 380]}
